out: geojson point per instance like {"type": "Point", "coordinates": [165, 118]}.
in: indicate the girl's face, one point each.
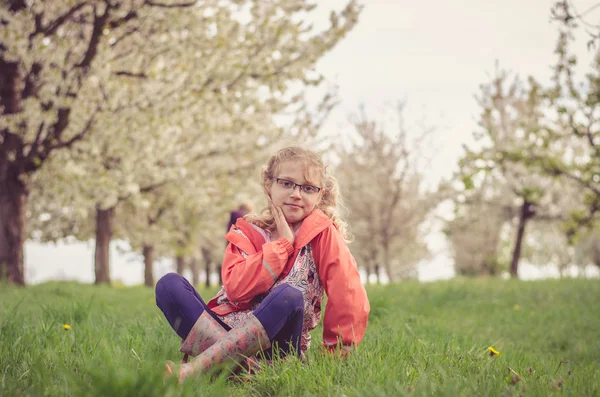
{"type": "Point", "coordinates": [297, 202]}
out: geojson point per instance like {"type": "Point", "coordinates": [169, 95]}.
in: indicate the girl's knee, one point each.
{"type": "Point", "coordinates": [290, 297]}
{"type": "Point", "coordinates": [168, 279]}
{"type": "Point", "coordinates": [166, 283]}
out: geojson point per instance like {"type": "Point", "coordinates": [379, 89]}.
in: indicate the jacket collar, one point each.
{"type": "Point", "coordinates": [249, 245]}
{"type": "Point", "coordinates": [311, 226]}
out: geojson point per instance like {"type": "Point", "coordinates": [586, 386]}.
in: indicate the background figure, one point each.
{"type": "Point", "coordinates": [243, 209]}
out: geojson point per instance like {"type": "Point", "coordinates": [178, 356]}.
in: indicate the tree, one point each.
{"type": "Point", "coordinates": [567, 144]}
{"type": "Point", "coordinates": [587, 248]}
{"type": "Point", "coordinates": [546, 140]}
{"type": "Point", "coordinates": [512, 113]}
{"type": "Point", "coordinates": [48, 53]}
{"type": "Point", "coordinates": [476, 230]}
{"type": "Point", "coordinates": [186, 219]}
{"type": "Point", "coordinates": [140, 224]}
{"type": "Point", "coordinates": [565, 13]}
{"type": "Point", "coordinates": [204, 85]}
{"type": "Point", "coordinates": [385, 197]}
{"type": "Point", "coordinates": [549, 245]}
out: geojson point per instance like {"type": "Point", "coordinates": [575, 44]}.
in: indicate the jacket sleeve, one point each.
{"type": "Point", "coordinates": [347, 309]}
{"type": "Point", "coordinates": [246, 276]}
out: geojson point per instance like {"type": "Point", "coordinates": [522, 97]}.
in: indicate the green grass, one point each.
{"type": "Point", "coordinates": [423, 339]}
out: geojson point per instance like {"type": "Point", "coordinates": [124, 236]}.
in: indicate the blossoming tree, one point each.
{"type": "Point", "coordinates": [134, 94]}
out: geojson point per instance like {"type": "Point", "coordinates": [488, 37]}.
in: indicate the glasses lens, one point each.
{"type": "Point", "coordinates": [285, 183]}
{"type": "Point", "coordinates": [309, 189]}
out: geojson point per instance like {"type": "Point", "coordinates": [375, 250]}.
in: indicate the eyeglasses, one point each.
{"type": "Point", "coordinates": [289, 185]}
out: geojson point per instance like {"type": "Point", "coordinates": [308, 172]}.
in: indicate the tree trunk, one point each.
{"type": "Point", "coordinates": [195, 272]}
{"type": "Point", "coordinates": [377, 271]}
{"type": "Point", "coordinates": [527, 213]}
{"type": "Point", "coordinates": [104, 224]}
{"type": "Point", "coordinates": [180, 263]}
{"type": "Point", "coordinates": [373, 265]}
{"type": "Point", "coordinates": [11, 80]}
{"type": "Point", "coordinates": [207, 262]}
{"type": "Point", "coordinates": [148, 252]}
{"type": "Point", "coordinates": [13, 198]}
{"type": "Point", "coordinates": [16, 5]}
{"type": "Point", "coordinates": [207, 271]}
{"type": "Point", "coordinates": [13, 192]}
{"type": "Point", "coordinates": [562, 267]}
{"type": "Point", "coordinates": [220, 270]}
{"type": "Point", "coordinates": [596, 254]}
{"type": "Point", "coordinates": [370, 270]}
{"type": "Point", "coordinates": [386, 262]}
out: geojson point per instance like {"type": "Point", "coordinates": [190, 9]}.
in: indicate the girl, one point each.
{"type": "Point", "coordinates": [275, 270]}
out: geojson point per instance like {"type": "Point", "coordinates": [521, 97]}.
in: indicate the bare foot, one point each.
{"type": "Point", "coordinates": [169, 365]}
{"type": "Point", "coordinates": [182, 371]}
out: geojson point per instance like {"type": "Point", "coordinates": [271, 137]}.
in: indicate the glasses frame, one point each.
{"type": "Point", "coordinates": [317, 189]}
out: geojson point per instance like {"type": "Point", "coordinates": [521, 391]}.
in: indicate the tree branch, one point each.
{"type": "Point", "coordinates": [153, 186]}
{"type": "Point", "coordinates": [36, 142]}
{"type": "Point", "coordinates": [588, 220]}
{"type": "Point", "coordinates": [99, 22]}
{"type": "Point", "coordinates": [154, 219]}
{"type": "Point", "coordinates": [51, 27]}
{"type": "Point", "coordinates": [580, 181]}
{"type": "Point", "coordinates": [145, 189]}
{"type": "Point", "coordinates": [247, 65]}
{"type": "Point", "coordinates": [126, 73]}
{"type": "Point", "coordinates": [175, 5]}
{"type": "Point", "coordinates": [79, 136]}
{"type": "Point", "coordinates": [129, 32]}
{"type": "Point", "coordinates": [118, 22]}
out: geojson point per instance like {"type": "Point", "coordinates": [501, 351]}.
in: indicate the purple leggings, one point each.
{"type": "Point", "coordinates": [281, 312]}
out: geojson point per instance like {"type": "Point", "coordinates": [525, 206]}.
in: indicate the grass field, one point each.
{"type": "Point", "coordinates": [422, 339]}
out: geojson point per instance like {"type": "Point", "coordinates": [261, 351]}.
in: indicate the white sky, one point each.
{"type": "Point", "coordinates": [433, 54]}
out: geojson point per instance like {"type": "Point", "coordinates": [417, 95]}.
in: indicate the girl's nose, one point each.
{"type": "Point", "coordinates": [295, 192]}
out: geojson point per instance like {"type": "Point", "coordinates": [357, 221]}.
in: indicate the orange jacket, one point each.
{"type": "Point", "coordinates": [253, 274]}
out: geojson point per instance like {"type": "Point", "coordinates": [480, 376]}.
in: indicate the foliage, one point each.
{"type": "Point", "coordinates": [200, 95]}
{"type": "Point", "coordinates": [540, 146]}
{"type": "Point", "coordinates": [567, 142]}
{"type": "Point", "coordinates": [475, 232]}
{"type": "Point", "coordinates": [123, 97]}
{"type": "Point", "coordinates": [587, 249]}
{"type": "Point", "coordinates": [512, 116]}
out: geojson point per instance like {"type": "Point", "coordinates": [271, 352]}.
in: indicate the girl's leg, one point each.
{"type": "Point", "coordinates": [279, 318]}
{"type": "Point", "coordinates": [181, 304]}
{"type": "Point", "coordinates": [282, 315]}
{"type": "Point", "coordinates": [244, 340]}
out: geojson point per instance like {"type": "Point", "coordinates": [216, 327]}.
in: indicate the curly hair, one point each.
{"type": "Point", "coordinates": [331, 201]}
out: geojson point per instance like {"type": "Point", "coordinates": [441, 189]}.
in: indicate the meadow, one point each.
{"type": "Point", "coordinates": [67, 339]}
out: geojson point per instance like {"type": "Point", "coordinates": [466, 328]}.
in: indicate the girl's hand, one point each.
{"type": "Point", "coordinates": [283, 228]}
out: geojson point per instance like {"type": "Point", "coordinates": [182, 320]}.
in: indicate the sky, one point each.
{"type": "Point", "coordinates": [431, 54]}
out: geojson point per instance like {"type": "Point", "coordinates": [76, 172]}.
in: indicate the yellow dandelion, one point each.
{"type": "Point", "coordinates": [493, 352]}
{"type": "Point", "coordinates": [66, 327]}
{"type": "Point", "coordinates": [516, 307]}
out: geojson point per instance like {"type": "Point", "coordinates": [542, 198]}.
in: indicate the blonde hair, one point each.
{"type": "Point", "coordinates": [331, 199]}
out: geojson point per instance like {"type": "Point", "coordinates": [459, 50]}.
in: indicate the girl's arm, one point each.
{"type": "Point", "coordinates": [347, 310]}
{"type": "Point", "coordinates": [246, 276]}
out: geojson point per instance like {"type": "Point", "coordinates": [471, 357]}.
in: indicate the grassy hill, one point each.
{"type": "Point", "coordinates": [423, 339]}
